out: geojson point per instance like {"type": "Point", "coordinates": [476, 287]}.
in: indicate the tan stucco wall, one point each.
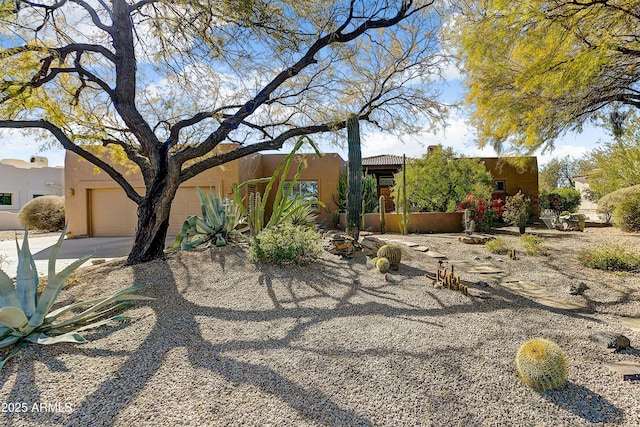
{"type": "Point", "coordinates": [419, 222]}
{"type": "Point", "coordinates": [82, 180]}
{"type": "Point", "coordinates": [326, 170]}
{"type": "Point", "coordinates": [524, 179]}
{"type": "Point", "coordinates": [23, 180]}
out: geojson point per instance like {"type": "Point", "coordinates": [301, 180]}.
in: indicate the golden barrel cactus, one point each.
{"type": "Point", "coordinates": [383, 265]}
{"type": "Point", "coordinates": [393, 253]}
{"type": "Point", "coordinates": [541, 364]}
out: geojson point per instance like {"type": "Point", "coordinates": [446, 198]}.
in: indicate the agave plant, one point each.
{"type": "Point", "coordinates": [222, 220]}
{"type": "Point", "coordinates": [26, 317]}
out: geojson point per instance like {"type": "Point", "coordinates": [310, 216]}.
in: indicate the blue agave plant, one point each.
{"type": "Point", "coordinates": [26, 317]}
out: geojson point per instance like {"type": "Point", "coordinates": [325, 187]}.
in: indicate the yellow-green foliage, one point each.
{"type": "Point", "coordinates": [529, 74]}
{"type": "Point", "coordinates": [610, 257]}
{"type": "Point", "coordinates": [626, 215]}
{"type": "Point", "coordinates": [383, 265]}
{"type": "Point", "coordinates": [607, 204]}
{"type": "Point", "coordinates": [497, 246]}
{"type": "Point", "coordinates": [43, 213]}
{"type": "Point", "coordinates": [533, 245]}
{"type": "Point", "coordinates": [391, 252]}
{"type": "Point", "coordinates": [541, 364]}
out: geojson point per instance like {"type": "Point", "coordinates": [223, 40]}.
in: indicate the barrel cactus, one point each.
{"type": "Point", "coordinates": [541, 364]}
{"type": "Point", "coordinates": [383, 265]}
{"type": "Point", "coordinates": [393, 253]}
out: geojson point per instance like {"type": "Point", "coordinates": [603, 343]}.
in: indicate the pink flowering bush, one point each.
{"type": "Point", "coordinates": [485, 213]}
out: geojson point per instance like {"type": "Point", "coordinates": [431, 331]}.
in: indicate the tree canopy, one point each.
{"type": "Point", "coordinates": [440, 181]}
{"type": "Point", "coordinates": [615, 164]}
{"type": "Point", "coordinates": [167, 81]}
{"type": "Point", "coordinates": [539, 68]}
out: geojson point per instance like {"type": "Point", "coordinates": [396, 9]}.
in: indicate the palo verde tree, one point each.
{"type": "Point", "coordinates": [536, 69]}
{"type": "Point", "coordinates": [166, 82]}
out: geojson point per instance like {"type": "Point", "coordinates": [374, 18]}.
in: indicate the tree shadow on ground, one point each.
{"type": "Point", "coordinates": [585, 403]}
{"type": "Point", "coordinates": [171, 307]}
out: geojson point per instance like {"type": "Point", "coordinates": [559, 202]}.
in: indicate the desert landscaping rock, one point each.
{"type": "Point", "coordinates": [578, 289]}
{"type": "Point", "coordinates": [612, 340]}
{"type": "Point", "coordinates": [227, 342]}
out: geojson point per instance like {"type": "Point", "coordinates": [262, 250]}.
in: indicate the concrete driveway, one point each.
{"type": "Point", "coordinates": [105, 247]}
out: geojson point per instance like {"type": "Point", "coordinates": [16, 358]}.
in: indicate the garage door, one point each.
{"type": "Point", "coordinates": [113, 214]}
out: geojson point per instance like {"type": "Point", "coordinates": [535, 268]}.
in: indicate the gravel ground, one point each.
{"type": "Point", "coordinates": [228, 342]}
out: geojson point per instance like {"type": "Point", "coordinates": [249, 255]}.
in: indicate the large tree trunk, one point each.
{"type": "Point", "coordinates": [153, 215]}
{"type": "Point", "coordinates": [151, 232]}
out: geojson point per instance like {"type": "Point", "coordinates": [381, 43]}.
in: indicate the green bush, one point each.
{"type": "Point", "coordinates": [560, 199]}
{"type": "Point", "coordinates": [607, 204]}
{"type": "Point", "coordinates": [610, 257]}
{"type": "Point", "coordinates": [533, 245]}
{"type": "Point", "coordinates": [497, 246]}
{"type": "Point", "coordinates": [43, 213]}
{"type": "Point", "coordinates": [284, 244]}
{"type": "Point", "coordinates": [626, 215]}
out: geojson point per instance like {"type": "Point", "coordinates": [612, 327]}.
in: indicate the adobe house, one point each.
{"type": "Point", "coordinates": [509, 174]}
{"type": "Point", "coordinates": [96, 206]}
{"type": "Point", "coordinates": [512, 174]}
{"type": "Point", "coordinates": [23, 181]}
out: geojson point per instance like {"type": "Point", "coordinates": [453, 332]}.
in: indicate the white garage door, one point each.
{"type": "Point", "coordinates": [112, 213]}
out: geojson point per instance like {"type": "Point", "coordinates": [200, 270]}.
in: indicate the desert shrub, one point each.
{"type": "Point", "coordinates": [626, 215]}
{"type": "Point", "coordinates": [497, 246]}
{"type": "Point", "coordinates": [607, 204]}
{"type": "Point", "coordinates": [43, 213]}
{"type": "Point", "coordinates": [610, 257]}
{"type": "Point", "coordinates": [285, 243]}
{"type": "Point", "coordinates": [560, 200]}
{"type": "Point", "coordinates": [533, 245]}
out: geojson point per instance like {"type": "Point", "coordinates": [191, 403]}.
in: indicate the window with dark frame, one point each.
{"type": "Point", "coordinates": [499, 186]}
{"type": "Point", "coordinates": [6, 199]}
{"type": "Point", "coordinates": [308, 190]}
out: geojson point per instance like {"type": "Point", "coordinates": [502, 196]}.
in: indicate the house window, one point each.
{"type": "Point", "coordinates": [37, 195]}
{"type": "Point", "coordinates": [386, 181]}
{"type": "Point", "coordinates": [308, 190]}
{"type": "Point", "coordinates": [499, 186]}
{"type": "Point", "coordinates": [5, 199]}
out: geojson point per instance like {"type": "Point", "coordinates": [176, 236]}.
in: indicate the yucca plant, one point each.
{"type": "Point", "coordinates": [222, 220]}
{"type": "Point", "coordinates": [26, 317]}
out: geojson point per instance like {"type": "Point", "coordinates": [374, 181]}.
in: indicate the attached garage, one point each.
{"type": "Point", "coordinates": [112, 213]}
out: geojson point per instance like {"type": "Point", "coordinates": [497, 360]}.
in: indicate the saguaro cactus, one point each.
{"type": "Point", "coordinates": [354, 195]}
{"type": "Point", "coordinates": [383, 225]}
{"type": "Point", "coordinates": [404, 219]}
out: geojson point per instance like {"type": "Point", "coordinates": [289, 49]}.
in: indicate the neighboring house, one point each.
{"type": "Point", "coordinates": [22, 181]}
{"type": "Point", "coordinates": [587, 206]}
{"type": "Point", "coordinates": [96, 206]}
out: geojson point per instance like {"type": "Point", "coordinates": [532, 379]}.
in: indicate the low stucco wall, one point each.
{"type": "Point", "coordinates": [419, 222]}
{"type": "Point", "coordinates": [9, 221]}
